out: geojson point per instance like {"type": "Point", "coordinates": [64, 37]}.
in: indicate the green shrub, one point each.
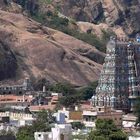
{"type": "Point", "coordinates": [52, 20]}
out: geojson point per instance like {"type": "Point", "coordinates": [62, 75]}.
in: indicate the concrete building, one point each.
{"type": "Point", "coordinates": [134, 138]}
{"type": "Point", "coordinates": [59, 132]}
{"type": "Point", "coordinates": [129, 121]}
{"type": "Point", "coordinates": [60, 118]}
{"type": "Point", "coordinates": [43, 136]}
{"type": "Point", "coordinates": [108, 113]}
{"type": "Point", "coordinates": [16, 89]}
{"type": "Point", "coordinates": [34, 102]}
{"type": "Point", "coordinates": [14, 100]}
{"type": "Point", "coordinates": [75, 116]}
{"type": "Point", "coordinates": [40, 102]}
{"type": "Point", "coordinates": [119, 81]}
{"type": "Point", "coordinates": [18, 119]}
{"type": "Point", "coordinates": [89, 118]}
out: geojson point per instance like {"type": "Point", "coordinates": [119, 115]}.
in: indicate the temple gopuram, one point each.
{"type": "Point", "coordinates": [119, 82]}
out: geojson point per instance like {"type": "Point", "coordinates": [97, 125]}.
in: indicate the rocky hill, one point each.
{"type": "Point", "coordinates": [124, 13]}
{"type": "Point", "coordinates": [29, 48]}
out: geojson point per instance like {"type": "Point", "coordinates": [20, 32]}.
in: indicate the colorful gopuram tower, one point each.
{"type": "Point", "coordinates": [118, 85]}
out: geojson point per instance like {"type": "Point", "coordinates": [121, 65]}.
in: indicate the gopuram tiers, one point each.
{"type": "Point", "coordinates": [118, 85]}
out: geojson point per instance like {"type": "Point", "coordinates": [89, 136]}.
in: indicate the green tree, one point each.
{"type": "Point", "coordinates": [25, 133]}
{"type": "Point", "coordinates": [70, 101]}
{"type": "Point", "coordinates": [45, 116]}
{"type": "Point", "coordinates": [42, 116]}
{"type": "Point", "coordinates": [42, 124]}
{"type": "Point", "coordinates": [77, 125]}
{"type": "Point", "coordinates": [73, 96]}
{"type": "Point", "coordinates": [106, 130]}
{"type": "Point", "coordinates": [38, 84]}
{"type": "Point", "coordinates": [87, 92]}
{"type": "Point", "coordinates": [9, 133]}
{"type": "Point", "coordinates": [65, 89]}
{"type": "Point", "coordinates": [118, 136]}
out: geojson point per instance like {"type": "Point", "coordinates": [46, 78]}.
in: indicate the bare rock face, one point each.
{"type": "Point", "coordinates": [82, 10]}
{"type": "Point", "coordinates": [3, 3]}
{"type": "Point", "coordinates": [132, 17]}
{"type": "Point", "coordinates": [125, 13]}
{"type": "Point", "coordinates": [8, 62]}
{"type": "Point", "coordinates": [37, 51]}
{"type": "Point", "coordinates": [9, 5]}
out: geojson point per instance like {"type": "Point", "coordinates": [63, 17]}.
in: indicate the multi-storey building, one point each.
{"type": "Point", "coordinates": [118, 85]}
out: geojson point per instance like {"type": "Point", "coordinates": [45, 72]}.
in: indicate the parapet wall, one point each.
{"type": "Point", "coordinates": [16, 115]}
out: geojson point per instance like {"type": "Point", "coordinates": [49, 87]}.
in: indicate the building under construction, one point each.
{"type": "Point", "coordinates": [119, 82]}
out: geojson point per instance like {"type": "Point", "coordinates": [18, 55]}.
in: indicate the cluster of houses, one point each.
{"type": "Point", "coordinates": [21, 108]}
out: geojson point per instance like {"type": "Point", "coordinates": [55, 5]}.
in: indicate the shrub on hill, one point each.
{"type": "Point", "coordinates": [52, 20]}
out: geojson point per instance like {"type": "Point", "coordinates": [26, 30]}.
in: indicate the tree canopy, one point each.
{"type": "Point", "coordinates": [73, 96]}
{"type": "Point", "coordinates": [87, 92]}
{"type": "Point", "coordinates": [66, 89]}
{"type": "Point", "coordinates": [77, 125]}
{"type": "Point", "coordinates": [106, 130]}
{"type": "Point", "coordinates": [42, 124]}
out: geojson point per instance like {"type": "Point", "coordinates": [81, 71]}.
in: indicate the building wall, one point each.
{"type": "Point", "coordinates": [16, 115]}
{"type": "Point", "coordinates": [134, 138]}
{"type": "Point", "coordinates": [16, 89]}
{"type": "Point", "coordinates": [43, 136]}
{"type": "Point", "coordinates": [59, 132]}
{"type": "Point", "coordinates": [117, 118]}
{"type": "Point", "coordinates": [75, 115]}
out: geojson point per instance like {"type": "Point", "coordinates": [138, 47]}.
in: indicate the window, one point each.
{"type": "Point", "coordinates": [20, 92]}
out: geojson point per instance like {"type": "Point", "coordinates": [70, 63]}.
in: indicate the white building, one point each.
{"type": "Point", "coordinates": [43, 136]}
{"type": "Point", "coordinates": [18, 119]}
{"type": "Point", "coordinates": [59, 132]}
{"type": "Point", "coordinates": [134, 138]}
{"type": "Point", "coordinates": [89, 118]}
{"type": "Point", "coordinates": [129, 121]}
